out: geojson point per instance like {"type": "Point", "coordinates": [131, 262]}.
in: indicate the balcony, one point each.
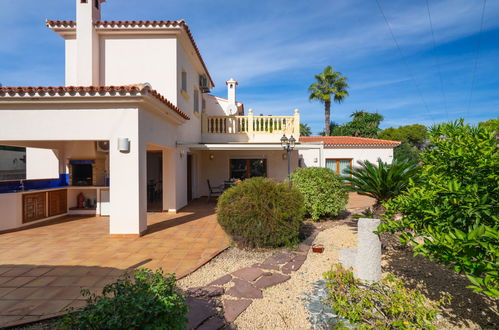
{"type": "Point", "coordinates": [250, 128]}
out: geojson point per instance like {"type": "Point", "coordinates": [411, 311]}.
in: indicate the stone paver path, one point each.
{"type": "Point", "coordinates": [43, 269]}
{"type": "Point", "coordinates": [239, 288]}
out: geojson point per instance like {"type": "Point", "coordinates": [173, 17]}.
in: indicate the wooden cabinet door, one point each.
{"type": "Point", "coordinates": [34, 206]}
{"type": "Point", "coordinates": [58, 202]}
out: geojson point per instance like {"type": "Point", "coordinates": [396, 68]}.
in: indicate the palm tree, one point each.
{"type": "Point", "coordinates": [329, 85]}
{"type": "Point", "coordinates": [305, 130]}
{"type": "Point", "coordinates": [381, 181]}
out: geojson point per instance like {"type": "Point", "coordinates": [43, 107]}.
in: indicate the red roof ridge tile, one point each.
{"type": "Point", "coordinates": [348, 140]}
{"type": "Point", "coordinates": [61, 90]}
{"type": "Point", "coordinates": [174, 23]}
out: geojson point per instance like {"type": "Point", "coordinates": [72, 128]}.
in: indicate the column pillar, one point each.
{"type": "Point", "coordinates": [169, 180]}
{"type": "Point", "coordinates": [128, 189]}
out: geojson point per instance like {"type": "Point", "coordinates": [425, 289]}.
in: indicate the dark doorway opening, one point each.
{"type": "Point", "coordinates": [82, 174]}
{"type": "Point", "coordinates": [154, 181]}
{"type": "Point", "coordinates": [189, 178]}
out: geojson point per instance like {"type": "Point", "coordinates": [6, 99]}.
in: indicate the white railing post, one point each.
{"type": "Point", "coordinates": [296, 124]}
{"type": "Point", "coordinates": [250, 122]}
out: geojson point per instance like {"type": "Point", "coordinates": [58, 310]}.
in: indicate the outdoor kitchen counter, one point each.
{"type": "Point", "coordinates": [22, 208]}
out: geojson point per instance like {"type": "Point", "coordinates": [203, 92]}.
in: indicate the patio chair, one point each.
{"type": "Point", "coordinates": [214, 191]}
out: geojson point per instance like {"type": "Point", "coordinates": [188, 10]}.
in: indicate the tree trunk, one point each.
{"type": "Point", "coordinates": [327, 113]}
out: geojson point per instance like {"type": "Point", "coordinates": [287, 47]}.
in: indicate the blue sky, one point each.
{"type": "Point", "coordinates": [274, 48]}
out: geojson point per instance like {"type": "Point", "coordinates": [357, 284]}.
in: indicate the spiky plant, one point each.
{"type": "Point", "coordinates": [381, 181]}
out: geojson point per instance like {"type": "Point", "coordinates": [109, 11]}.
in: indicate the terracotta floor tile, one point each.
{"type": "Point", "coordinates": [17, 271]}
{"type": "Point", "coordinates": [18, 281]}
{"type": "Point", "coordinates": [50, 307]}
{"type": "Point", "coordinates": [6, 320]}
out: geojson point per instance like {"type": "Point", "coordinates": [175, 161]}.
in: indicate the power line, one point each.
{"type": "Point", "coordinates": [404, 59]}
{"type": "Point", "coordinates": [437, 60]}
{"type": "Point", "coordinates": [477, 55]}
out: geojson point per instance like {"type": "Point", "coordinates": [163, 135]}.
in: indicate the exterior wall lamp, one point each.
{"type": "Point", "coordinates": [288, 145]}
{"type": "Point", "coordinates": [124, 145]}
{"type": "Point", "coordinates": [211, 156]}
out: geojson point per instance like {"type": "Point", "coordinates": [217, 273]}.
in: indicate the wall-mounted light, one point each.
{"type": "Point", "coordinates": [284, 156]}
{"type": "Point", "coordinates": [123, 144]}
{"type": "Point", "coordinates": [211, 156]}
{"type": "Point", "coordinates": [182, 153]}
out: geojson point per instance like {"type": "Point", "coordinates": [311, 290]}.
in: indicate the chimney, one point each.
{"type": "Point", "coordinates": [231, 96]}
{"type": "Point", "coordinates": [87, 42]}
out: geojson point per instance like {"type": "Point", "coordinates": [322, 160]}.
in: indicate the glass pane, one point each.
{"type": "Point", "coordinates": [257, 167]}
{"type": "Point", "coordinates": [344, 164]}
{"type": "Point", "coordinates": [238, 169]}
{"type": "Point", "coordinates": [331, 164]}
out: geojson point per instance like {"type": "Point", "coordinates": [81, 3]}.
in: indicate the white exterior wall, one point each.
{"type": "Point", "coordinates": [190, 132]}
{"type": "Point", "coordinates": [42, 164]}
{"type": "Point", "coordinates": [71, 63]}
{"type": "Point", "coordinates": [217, 170]}
{"type": "Point", "coordinates": [317, 157]}
{"type": "Point", "coordinates": [127, 60]}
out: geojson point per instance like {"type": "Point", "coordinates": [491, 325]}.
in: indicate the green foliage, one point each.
{"type": "Point", "coordinates": [323, 191]}
{"type": "Point", "coordinates": [380, 181]}
{"type": "Point", "coordinates": [261, 212]}
{"type": "Point", "coordinates": [491, 125]}
{"type": "Point", "coordinates": [415, 135]}
{"type": "Point", "coordinates": [455, 206]}
{"type": "Point", "coordinates": [329, 86]}
{"type": "Point", "coordinates": [406, 152]}
{"type": "Point", "coordinates": [142, 300]}
{"type": "Point", "coordinates": [363, 124]}
{"type": "Point", "coordinates": [305, 130]}
{"type": "Point", "coordinates": [382, 305]}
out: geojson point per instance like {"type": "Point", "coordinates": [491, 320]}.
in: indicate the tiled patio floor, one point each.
{"type": "Point", "coordinates": [42, 269]}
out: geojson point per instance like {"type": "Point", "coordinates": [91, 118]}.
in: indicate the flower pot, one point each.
{"type": "Point", "coordinates": [318, 248]}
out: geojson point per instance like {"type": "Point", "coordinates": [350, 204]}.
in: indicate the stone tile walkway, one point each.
{"type": "Point", "coordinates": [42, 269]}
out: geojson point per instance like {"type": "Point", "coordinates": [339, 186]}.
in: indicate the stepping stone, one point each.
{"type": "Point", "coordinates": [206, 291]}
{"type": "Point", "coordinates": [213, 323]}
{"type": "Point", "coordinates": [199, 311]}
{"type": "Point", "coordinates": [278, 259]}
{"type": "Point", "coordinates": [232, 308]}
{"type": "Point", "coordinates": [244, 289]}
{"type": "Point", "coordinates": [249, 273]}
{"type": "Point", "coordinates": [222, 280]}
{"type": "Point", "coordinates": [266, 266]}
{"type": "Point", "coordinates": [294, 265]}
{"type": "Point", "coordinates": [268, 281]}
{"type": "Point", "coordinates": [302, 247]}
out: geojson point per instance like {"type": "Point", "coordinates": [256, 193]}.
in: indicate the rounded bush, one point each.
{"type": "Point", "coordinates": [261, 212]}
{"type": "Point", "coordinates": [324, 191]}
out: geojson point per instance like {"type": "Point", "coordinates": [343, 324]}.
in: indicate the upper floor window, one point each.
{"type": "Point", "coordinates": [83, 1]}
{"type": "Point", "coordinates": [97, 4]}
{"type": "Point", "coordinates": [203, 104]}
{"type": "Point", "coordinates": [196, 101]}
{"type": "Point", "coordinates": [184, 81]}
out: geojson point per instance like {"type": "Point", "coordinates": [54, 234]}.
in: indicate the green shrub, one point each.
{"type": "Point", "coordinates": [142, 300]}
{"type": "Point", "coordinates": [455, 205]}
{"type": "Point", "coordinates": [387, 304]}
{"type": "Point", "coordinates": [261, 212]}
{"type": "Point", "coordinates": [323, 191]}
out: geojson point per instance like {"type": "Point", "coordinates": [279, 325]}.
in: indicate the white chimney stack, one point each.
{"type": "Point", "coordinates": [87, 42]}
{"type": "Point", "coordinates": [231, 96]}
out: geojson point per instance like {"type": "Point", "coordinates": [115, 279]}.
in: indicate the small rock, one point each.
{"type": "Point", "coordinates": [249, 273]}
{"type": "Point", "coordinates": [232, 308]}
{"type": "Point", "coordinates": [274, 279]}
{"type": "Point", "coordinates": [222, 280]}
{"type": "Point", "coordinates": [199, 311]}
{"type": "Point", "coordinates": [244, 289]}
{"type": "Point", "coordinates": [213, 323]}
{"type": "Point", "coordinates": [266, 266]}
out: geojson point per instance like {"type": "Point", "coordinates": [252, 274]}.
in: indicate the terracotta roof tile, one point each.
{"type": "Point", "coordinates": [132, 24]}
{"type": "Point", "coordinates": [349, 141]}
{"type": "Point", "coordinates": [141, 89]}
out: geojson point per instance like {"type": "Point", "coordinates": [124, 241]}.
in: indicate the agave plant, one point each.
{"type": "Point", "coordinates": [381, 181]}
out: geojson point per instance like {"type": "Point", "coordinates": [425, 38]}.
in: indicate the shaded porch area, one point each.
{"type": "Point", "coordinates": [43, 268]}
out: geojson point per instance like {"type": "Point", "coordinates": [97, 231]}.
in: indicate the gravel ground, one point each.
{"type": "Point", "coordinates": [282, 306]}
{"type": "Point", "coordinates": [227, 262]}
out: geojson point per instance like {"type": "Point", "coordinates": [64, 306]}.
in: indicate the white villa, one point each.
{"type": "Point", "coordinates": [136, 130]}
